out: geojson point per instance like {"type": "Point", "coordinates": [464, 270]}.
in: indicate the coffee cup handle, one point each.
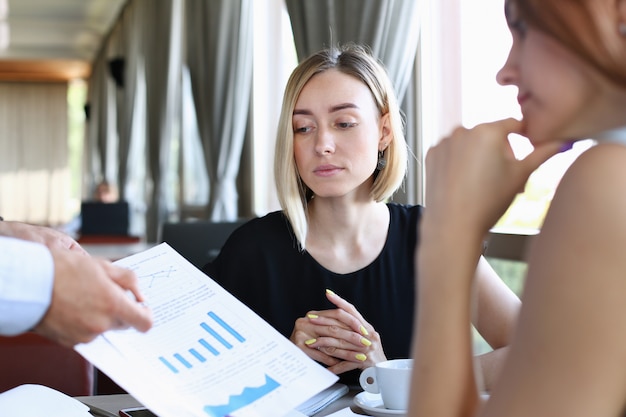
{"type": "Point", "coordinates": [367, 379]}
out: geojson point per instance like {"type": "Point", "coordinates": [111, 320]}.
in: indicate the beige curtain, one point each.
{"type": "Point", "coordinates": [34, 171]}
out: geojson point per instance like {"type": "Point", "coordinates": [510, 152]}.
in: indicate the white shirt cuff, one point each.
{"type": "Point", "coordinates": [26, 282]}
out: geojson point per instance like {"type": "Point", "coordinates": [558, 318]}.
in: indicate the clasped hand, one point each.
{"type": "Point", "coordinates": [339, 338]}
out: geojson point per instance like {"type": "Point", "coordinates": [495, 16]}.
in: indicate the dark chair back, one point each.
{"type": "Point", "coordinates": [109, 219]}
{"type": "Point", "coordinates": [199, 241]}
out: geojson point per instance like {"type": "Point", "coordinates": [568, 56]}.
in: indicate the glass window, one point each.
{"type": "Point", "coordinates": [274, 59]}
{"type": "Point", "coordinates": [76, 99]}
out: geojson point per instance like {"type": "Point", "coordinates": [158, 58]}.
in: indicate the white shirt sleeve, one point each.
{"type": "Point", "coordinates": [26, 281]}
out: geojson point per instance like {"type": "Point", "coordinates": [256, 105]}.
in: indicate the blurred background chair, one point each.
{"type": "Point", "coordinates": [105, 223]}
{"type": "Point", "coordinates": [33, 359]}
{"type": "Point", "coordinates": [198, 241]}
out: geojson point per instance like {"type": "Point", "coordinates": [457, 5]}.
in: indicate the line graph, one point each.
{"type": "Point", "coordinates": [148, 280]}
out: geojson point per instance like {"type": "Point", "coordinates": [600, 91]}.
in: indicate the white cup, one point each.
{"type": "Point", "coordinates": [392, 380]}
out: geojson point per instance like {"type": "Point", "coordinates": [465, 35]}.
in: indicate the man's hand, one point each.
{"type": "Point", "coordinates": [91, 296]}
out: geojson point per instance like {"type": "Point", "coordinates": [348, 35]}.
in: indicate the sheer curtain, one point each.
{"type": "Point", "coordinates": [130, 44]}
{"type": "Point", "coordinates": [162, 49]}
{"type": "Point", "coordinates": [389, 27]}
{"type": "Point", "coordinates": [101, 125]}
{"type": "Point", "coordinates": [126, 50]}
{"type": "Point", "coordinates": [219, 57]}
{"type": "Point", "coordinates": [34, 171]}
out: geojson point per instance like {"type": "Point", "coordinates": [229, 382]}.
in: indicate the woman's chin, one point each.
{"type": "Point", "coordinates": [538, 135]}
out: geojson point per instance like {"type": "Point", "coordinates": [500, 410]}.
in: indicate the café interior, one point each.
{"type": "Point", "coordinates": [175, 103]}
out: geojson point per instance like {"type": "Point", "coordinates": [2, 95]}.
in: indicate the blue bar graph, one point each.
{"type": "Point", "coordinates": [220, 332]}
{"type": "Point", "coordinates": [216, 335]}
{"type": "Point", "coordinates": [208, 347]}
{"type": "Point", "coordinates": [182, 360]}
{"type": "Point", "coordinates": [225, 325]}
{"type": "Point", "coordinates": [169, 365]}
{"type": "Point", "coordinates": [197, 355]}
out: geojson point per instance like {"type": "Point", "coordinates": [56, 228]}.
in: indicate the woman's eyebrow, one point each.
{"type": "Point", "coordinates": [332, 109]}
{"type": "Point", "coordinates": [302, 111]}
{"type": "Point", "coordinates": [342, 106]}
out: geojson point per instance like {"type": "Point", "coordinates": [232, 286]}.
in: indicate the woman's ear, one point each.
{"type": "Point", "coordinates": [385, 132]}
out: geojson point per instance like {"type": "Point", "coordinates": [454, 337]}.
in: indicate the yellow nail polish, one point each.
{"type": "Point", "coordinates": [331, 292]}
{"type": "Point", "coordinates": [361, 357]}
{"type": "Point", "coordinates": [364, 331]}
{"type": "Point", "coordinates": [312, 316]}
{"type": "Point", "coordinates": [310, 341]}
{"type": "Point", "coordinates": [365, 342]}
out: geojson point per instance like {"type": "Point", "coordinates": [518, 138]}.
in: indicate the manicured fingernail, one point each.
{"type": "Point", "coordinates": [331, 292]}
{"type": "Point", "coordinates": [365, 342]}
{"type": "Point", "coordinates": [361, 357]}
{"type": "Point", "coordinates": [310, 341]}
{"type": "Point", "coordinates": [566, 146]}
{"type": "Point", "coordinates": [364, 331]}
{"type": "Point", "coordinates": [312, 316]}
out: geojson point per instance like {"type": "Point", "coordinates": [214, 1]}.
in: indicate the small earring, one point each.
{"type": "Point", "coordinates": [382, 162]}
{"type": "Point", "coordinates": [621, 28]}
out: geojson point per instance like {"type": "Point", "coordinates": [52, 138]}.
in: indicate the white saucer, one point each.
{"type": "Point", "coordinates": [373, 405]}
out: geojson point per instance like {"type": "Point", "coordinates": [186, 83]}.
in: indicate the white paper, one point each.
{"type": "Point", "coordinates": [207, 354]}
{"type": "Point", "coordinates": [323, 399]}
{"type": "Point", "coordinates": [31, 400]}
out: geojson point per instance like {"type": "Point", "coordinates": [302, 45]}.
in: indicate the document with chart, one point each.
{"type": "Point", "coordinates": [207, 355]}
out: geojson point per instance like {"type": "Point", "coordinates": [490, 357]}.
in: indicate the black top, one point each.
{"type": "Point", "coordinates": [262, 266]}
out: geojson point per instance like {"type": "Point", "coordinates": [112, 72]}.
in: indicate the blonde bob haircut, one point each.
{"type": "Point", "coordinates": [356, 61]}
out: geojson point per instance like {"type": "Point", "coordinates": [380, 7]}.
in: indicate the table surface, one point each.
{"type": "Point", "coordinates": [109, 405]}
{"type": "Point", "coordinates": [115, 251]}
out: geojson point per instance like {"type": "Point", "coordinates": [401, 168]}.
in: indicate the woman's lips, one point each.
{"type": "Point", "coordinates": [522, 98]}
{"type": "Point", "coordinates": [326, 170]}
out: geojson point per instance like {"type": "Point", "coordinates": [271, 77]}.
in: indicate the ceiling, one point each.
{"type": "Point", "coordinates": [52, 39]}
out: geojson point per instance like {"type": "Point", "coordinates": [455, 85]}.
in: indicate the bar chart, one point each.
{"type": "Point", "coordinates": [218, 336]}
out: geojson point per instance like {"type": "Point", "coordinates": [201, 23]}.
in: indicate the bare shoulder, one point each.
{"type": "Point", "coordinates": [584, 231]}
{"type": "Point", "coordinates": [594, 187]}
{"type": "Point", "coordinates": [583, 236]}
{"type": "Point", "coordinates": [574, 299]}
{"type": "Point", "coordinates": [600, 172]}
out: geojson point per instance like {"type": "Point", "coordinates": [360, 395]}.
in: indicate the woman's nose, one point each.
{"type": "Point", "coordinates": [508, 73]}
{"type": "Point", "coordinates": [324, 143]}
